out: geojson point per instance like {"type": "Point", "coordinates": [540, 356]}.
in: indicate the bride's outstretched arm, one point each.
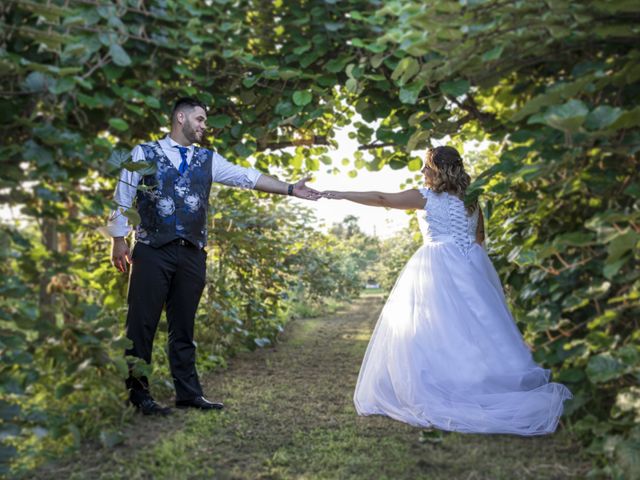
{"type": "Point", "coordinates": [407, 200]}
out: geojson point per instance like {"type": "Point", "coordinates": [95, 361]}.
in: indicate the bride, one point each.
{"type": "Point", "coordinates": [446, 352]}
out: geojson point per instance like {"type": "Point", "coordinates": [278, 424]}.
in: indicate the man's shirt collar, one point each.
{"type": "Point", "coordinates": [172, 143]}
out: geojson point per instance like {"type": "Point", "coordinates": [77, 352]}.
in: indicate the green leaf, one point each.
{"type": "Point", "coordinates": [302, 97]}
{"type": "Point", "coordinates": [119, 56]}
{"type": "Point", "coordinates": [568, 116]}
{"type": "Point", "coordinates": [621, 245]}
{"type": "Point", "coordinates": [526, 258]}
{"type": "Point", "coordinates": [219, 121]}
{"type": "Point", "coordinates": [410, 93]}
{"type": "Point", "coordinates": [288, 74]}
{"type": "Point", "coordinates": [119, 124]}
{"type": "Point", "coordinates": [285, 108]}
{"type": "Point", "coordinates": [48, 11]}
{"type": "Point", "coordinates": [416, 140]}
{"type": "Point", "coordinates": [611, 269]}
{"type": "Point", "coordinates": [312, 164]}
{"type": "Point", "coordinates": [436, 103]}
{"type": "Point", "coordinates": [377, 60]}
{"type": "Point", "coordinates": [133, 216]}
{"type": "Point", "coordinates": [242, 150]}
{"type": "Point", "coordinates": [629, 119]}
{"type": "Point", "coordinates": [249, 82]}
{"type": "Point", "coordinates": [607, 317]}
{"type": "Point", "coordinates": [455, 88]}
{"type": "Point", "coordinates": [571, 375]}
{"type": "Point", "coordinates": [95, 101]}
{"type": "Point", "coordinates": [152, 102]}
{"type": "Point", "coordinates": [121, 367]}
{"type": "Point", "coordinates": [552, 96]}
{"type": "Point", "coordinates": [352, 85]}
{"type": "Point", "coordinates": [308, 58]}
{"type": "Point", "coordinates": [327, 80]}
{"type": "Point", "coordinates": [628, 457]}
{"type": "Point", "coordinates": [376, 48]}
{"type": "Point", "coordinates": [414, 165]}
{"type": "Point", "coordinates": [117, 158]}
{"type": "Point", "coordinates": [602, 117]}
{"type": "Point", "coordinates": [493, 54]}
{"type": "Point", "coordinates": [63, 85]}
{"type": "Point", "coordinates": [333, 26]}
{"type": "Point", "coordinates": [302, 48]}
{"type": "Point", "coordinates": [574, 302]}
{"type": "Point", "coordinates": [37, 82]}
{"type": "Point", "coordinates": [405, 70]}
{"type": "Point", "coordinates": [337, 64]}
{"type": "Point", "coordinates": [603, 368]}
{"type": "Point", "coordinates": [577, 239]}
{"type": "Point", "coordinates": [88, 101]}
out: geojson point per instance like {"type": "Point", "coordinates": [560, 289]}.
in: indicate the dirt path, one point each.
{"type": "Point", "coordinates": [289, 414]}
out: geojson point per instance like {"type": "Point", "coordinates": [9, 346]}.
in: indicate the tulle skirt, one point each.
{"type": "Point", "coordinates": [446, 352]}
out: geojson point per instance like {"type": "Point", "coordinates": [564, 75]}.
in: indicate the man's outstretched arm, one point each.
{"type": "Point", "coordinates": [230, 174]}
{"type": "Point", "coordinates": [271, 185]}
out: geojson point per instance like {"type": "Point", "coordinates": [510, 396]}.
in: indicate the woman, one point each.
{"type": "Point", "coordinates": [446, 352]}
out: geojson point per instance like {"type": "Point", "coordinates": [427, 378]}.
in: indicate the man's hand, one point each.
{"type": "Point", "coordinates": [120, 254]}
{"type": "Point", "coordinates": [300, 190]}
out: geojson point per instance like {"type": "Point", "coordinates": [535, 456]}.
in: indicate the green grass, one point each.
{"type": "Point", "coordinates": [289, 414]}
{"type": "Point", "coordinates": [308, 309]}
{"type": "Point", "coordinates": [367, 292]}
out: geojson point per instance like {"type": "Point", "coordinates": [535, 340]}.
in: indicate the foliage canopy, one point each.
{"type": "Point", "coordinates": [552, 85]}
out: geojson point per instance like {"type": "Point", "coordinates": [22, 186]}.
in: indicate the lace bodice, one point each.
{"type": "Point", "coordinates": [445, 214]}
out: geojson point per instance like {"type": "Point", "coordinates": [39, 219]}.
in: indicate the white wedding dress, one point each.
{"type": "Point", "coordinates": [446, 352]}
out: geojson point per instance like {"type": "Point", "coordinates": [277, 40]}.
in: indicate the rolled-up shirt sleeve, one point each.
{"type": "Point", "coordinates": [118, 225]}
{"type": "Point", "coordinates": [227, 173]}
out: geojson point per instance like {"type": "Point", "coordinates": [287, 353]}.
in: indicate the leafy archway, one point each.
{"type": "Point", "coordinates": [551, 85]}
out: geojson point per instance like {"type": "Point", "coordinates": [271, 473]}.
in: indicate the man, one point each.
{"type": "Point", "coordinates": [168, 263]}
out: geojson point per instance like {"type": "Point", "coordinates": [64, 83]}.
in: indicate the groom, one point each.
{"type": "Point", "coordinates": [168, 262]}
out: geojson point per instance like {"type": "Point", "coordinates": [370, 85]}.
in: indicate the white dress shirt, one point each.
{"type": "Point", "coordinates": [222, 171]}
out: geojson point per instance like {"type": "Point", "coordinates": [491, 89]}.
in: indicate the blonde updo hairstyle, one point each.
{"type": "Point", "coordinates": [450, 175]}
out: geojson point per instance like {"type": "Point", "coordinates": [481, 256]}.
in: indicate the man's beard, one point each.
{"type": "Point", "coordinates": [189, 133]}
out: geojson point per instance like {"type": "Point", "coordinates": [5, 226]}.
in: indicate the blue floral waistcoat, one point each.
{"type": "Point", "coordinates": [171, 205]}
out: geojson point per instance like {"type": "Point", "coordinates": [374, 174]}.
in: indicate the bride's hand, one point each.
{"type": "Point", "coordinates": [333, 194]}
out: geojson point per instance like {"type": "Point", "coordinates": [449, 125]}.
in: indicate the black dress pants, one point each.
{"type": "Point", "coordinates": [171, 275]}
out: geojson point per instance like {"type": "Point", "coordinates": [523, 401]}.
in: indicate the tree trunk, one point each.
{"type": "Point", "coordinates": [46, 298]}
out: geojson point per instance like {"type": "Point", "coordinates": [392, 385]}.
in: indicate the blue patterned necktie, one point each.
{"type": "Point", "coordinates": [183, 153]}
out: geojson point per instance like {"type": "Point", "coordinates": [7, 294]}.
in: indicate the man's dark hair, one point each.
{"type": "Point", "coordinates": [186, 103]}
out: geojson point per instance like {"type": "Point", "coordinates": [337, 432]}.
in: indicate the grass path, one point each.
{"type": "Point", "coordinates": [289, 414]}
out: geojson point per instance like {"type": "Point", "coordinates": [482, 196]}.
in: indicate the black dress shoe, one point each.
{"type": "Point", "coordinates": [199, 402]}
{"type": "Point", "coordinates": [151, 407]}
{"type": "Point", "coordinates": [145, 404]}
